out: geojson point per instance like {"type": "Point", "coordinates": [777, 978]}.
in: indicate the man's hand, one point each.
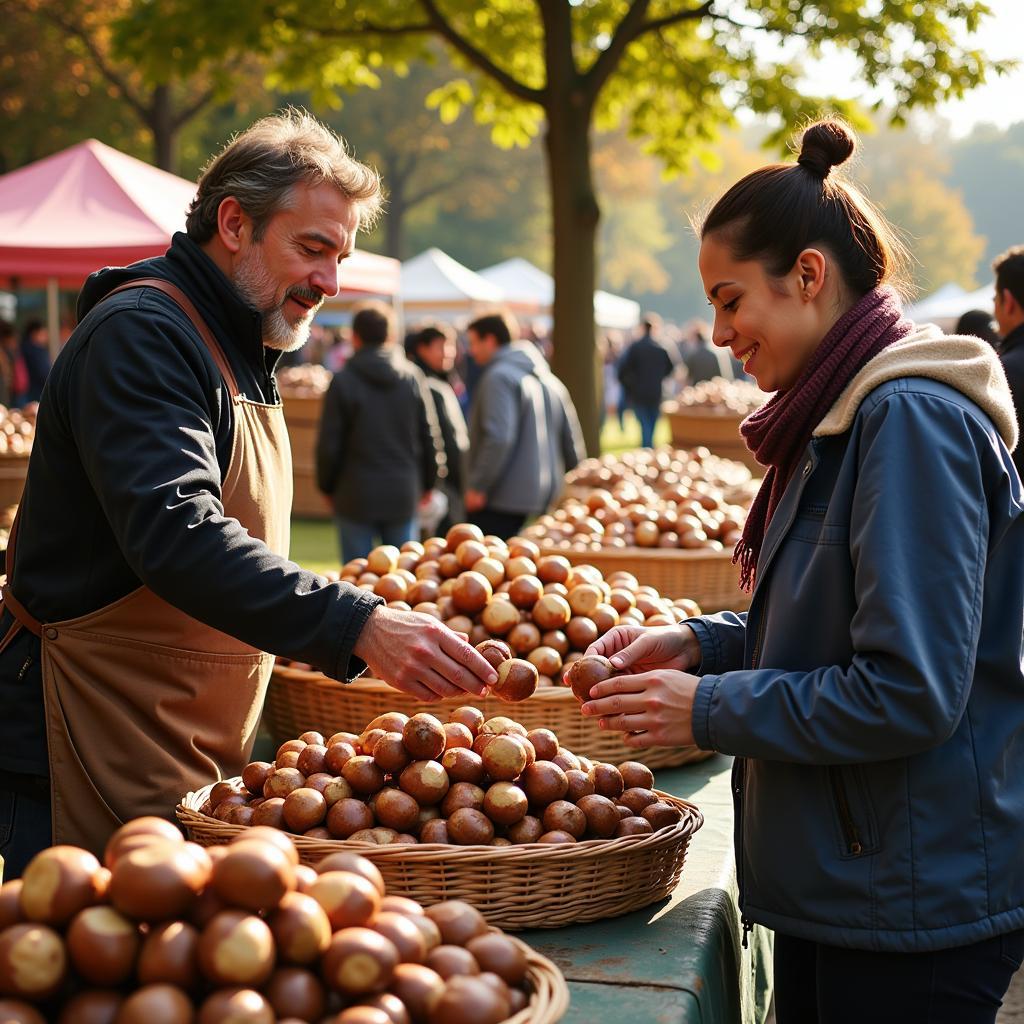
{"type": "Point", "coordinates": [474, 500]}
{"type": "Point", "coordinates": [651, 708]}
{"type": "Point", "coordinates": [642, 648]}
{"type": "Point", "coordinates": [420, 656]}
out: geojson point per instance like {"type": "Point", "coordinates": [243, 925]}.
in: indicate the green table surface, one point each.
{"type": "Point", "coordinates": [682, 959]}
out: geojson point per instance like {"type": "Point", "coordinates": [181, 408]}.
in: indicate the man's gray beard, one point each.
{"type": "Point", "coordinates": [257, 288]}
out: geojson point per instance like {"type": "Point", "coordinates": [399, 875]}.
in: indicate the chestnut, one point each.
{"type": "Point", "coordinates": [581, 632]}
{"type": "Point", "coordinates": [170, 954]}
{"type": "Point", "coordinates": [426, 781]}
{"type": "Point", "coordinates": [424, 737]}
{"type": "Point", "coordinates": [601, 814]}
{"type": "Point", "coordinates": [296, 992]}
{"type": "Point", "coordinates": [435, 831]}
{"type": "Point", "coordinates": [470, 827]}
{"type": "Point", "coordinates": [368, 739]}
{"type": "Point", "coordinates": [304, 808]}
{"type": "Point", "coordinates": [152, 1003]}
{"type": "Point", "coordinates": [636, 775]}
{"type": "Point", "coordinates": [546, 660]}
{"type": "Point", "coordinates": [551, 612]}
{"type": "Point", "coordinates": [562, 816]}
{"type": "Point", "coordinates": [235, 1005]}
{"type": "Point", "coordinates": [517, 680]}
{"type": "Point", "coordinates": [338, 754]}
{"type": "Point", "coordinates": [504, 758]}
{"type": "Point", "coordinates": [466, 999]}
{"type": "Point", "coordinates": [58, 883]}
{"type": "Point", "coordinates": [348, 816]}
{"type": "Point", "coordinates": [33, 961]}
{"type": "Point", "coordinates": [471, 592]}
{"type": "Point", "coordinates": [457, 735]}
{"type": "Point", "coordinates": [395, 809]}
{"type": "Point", "coordinates": [254, 875]}
{"type": "Point", "coordinates": [417, 986]}
{"type": "Point", "coordinates": [159, 881]}
{"type": "Point", "coordinates": [543, 782]}
{"type": "Point", "coordinates": [494, 652]}
{"type": "Point", "coordinates": [254, 775]}
{"type": "Point", "coordinates": [383, 559]}
{"type": "Point", "coordinates": [359, 961]}
{"type": "Point", "coordinates": [463, 765]}
{"type": "Point", "coordinates": [524, 638]}
{"type": "Point", "coordinates": [94, 1006]}
{"type": "Point", "coordinates": [361, 1014]}
{"type": "Point", "coordinates": [392, 1006]}
{"type": "Point", "coordinates": [450, 961]}
{"type": "Point", "coordinates": [10, 903]}
{"type": "Point", "coordinates": [407, 938]}
{"type": "Point", "coordinates": [283, 781]}
{"type": "Point", "coordinates": [363, 774]}
{"type": "Point", "coordinates": [457, 921]}
{"type": "Point", "coordinates": [527, 830]}
{"type": "Point", "coordinates": [102, 945]}
{"type": "Point", "coordinates": [301, 929]}
{"type": "Point", "coordinates": [505, 803]}
{"type": "Point", "coordinates": [460, 532]}
{"type": "Point", "coordinates": [580, 785]}
{"type": "Point", "coordinates": [607, 780]}
{"type": "Point", "coordinates": [499, 617]}
{"type": "Point", "coordinates": [661, 814]}
{"type": "Point", "coordinates": [269, 814]}
{"type": "Point", "coordinates": [557, 836]}
{"type": "Point", "coordinates": [499, 954]}
{"type": "Point", "coordinates": [462, 794]}
{"type": "Point", "coordinates": [348, 899]}
{"type": "Point", "coordinates": [634, 826]}
{"type": "Point", "coordinates": [637, 798]}
{"type": "Point", "coordinates": [586, 673]}
{"type": "Point", "coordinates": [557, 641]}
{"type": "Point", "coordinates": [236, 948]}
{"type": "Point", "coordinates": [545, 743]}
{"type": "Point", "coordinates": [567, 760]}
{"type": "Point", "coordinates": [337, 789]}
{"type": "Point", "coordinates": [472, 718]}
{"type": "Point", "coordinates": [501, 725]}
{"type": "Point", "coordinates": [311, 759]}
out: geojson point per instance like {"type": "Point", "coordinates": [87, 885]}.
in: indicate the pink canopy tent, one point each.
{"type": "Point", "coordinates": [90, 206]}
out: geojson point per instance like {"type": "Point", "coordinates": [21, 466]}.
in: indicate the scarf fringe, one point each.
{"type": "Point", "coordinates": [747, 558]}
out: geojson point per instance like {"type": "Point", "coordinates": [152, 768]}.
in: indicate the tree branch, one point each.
{"type": "Point", "coordinates": [693, 14]}
{"type": "Point", "coordinates": [478, 59]}
{"type": "Point", "coordinates": [187, 113]}
{"type": "Point", "coordinates": [141, 107]}
{"type": "Point", "coordinates": [365, 28]}
{"type": "Point", "coordinates": [432, 190]}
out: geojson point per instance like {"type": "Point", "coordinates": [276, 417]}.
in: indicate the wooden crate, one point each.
{"type": "Point", "coordinates": [719, 432]}
{"type": "Point", "coordinates": [13, 470]}
{"type": "Point", "coordinates": [302, 414]}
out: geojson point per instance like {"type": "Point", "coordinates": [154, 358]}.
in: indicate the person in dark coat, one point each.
{"type": "Point", "coordinates": [642, 372]}
{"type": "Point", "coordinates": [702, 362]}
{"type": "Point", "coordinates": [379, 443]}
{"type": "Point", "coordinates": [980, 324]}
{"type": "Point", "coordinates": [433, 350]}
{"type": "Point", "coordinates": [35, 350]}
{"type": "Point", "coordinates": [1009, 310]}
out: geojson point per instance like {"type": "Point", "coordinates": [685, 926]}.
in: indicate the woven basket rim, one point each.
{"type": "Point", "coordinates": [695, 413]}
{"type": "Point", "coordinates": [550, 996]}
{"type": "Point", "coordinates": [692, 819]}
{"type": "Point", "coordinates": [634, 553]}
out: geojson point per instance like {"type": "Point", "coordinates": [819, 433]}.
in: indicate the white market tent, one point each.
{"type": "Point", "coordinates": [528, 289]}
{"type": "Point", "coordinates": [435, 283]}
{"type": "Point", "coordinates": [950, 302]}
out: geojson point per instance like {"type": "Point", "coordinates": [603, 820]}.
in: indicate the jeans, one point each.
{"type": "Point", "coordinates": [500, 524]}
{"type": "Point", "coordinates": [357, 540]}
{"type": "Point", "coordinates": [25, 827]}
{"type": "Point", "coordinates": [819, 984]}
{"type": "Point", "coordinates": [648, 417]}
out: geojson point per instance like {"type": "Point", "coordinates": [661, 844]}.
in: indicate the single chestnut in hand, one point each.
{"type": "Point", "coordinates": [517, 680]}
{"type": "Point", "coordinates": [586, 673]}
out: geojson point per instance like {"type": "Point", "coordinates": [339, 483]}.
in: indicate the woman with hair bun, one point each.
{"type": "Point", "coordinates": [873, 694]}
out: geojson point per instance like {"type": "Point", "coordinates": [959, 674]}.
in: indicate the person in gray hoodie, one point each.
{"type": "Point", "coordinates": [379, 444]}
{"type": "Point", "coordinates": [524, 434]}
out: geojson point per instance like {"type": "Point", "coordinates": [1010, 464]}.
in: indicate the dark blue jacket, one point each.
{"type": "Point", "coordinates": [874, 691]}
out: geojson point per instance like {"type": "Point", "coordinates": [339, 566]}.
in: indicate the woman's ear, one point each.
{"type": "Point", "coordinates": [810, 273]}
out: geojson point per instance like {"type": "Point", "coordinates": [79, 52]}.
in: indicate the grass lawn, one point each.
{"type": "Point", "coordinates": [315, 543]}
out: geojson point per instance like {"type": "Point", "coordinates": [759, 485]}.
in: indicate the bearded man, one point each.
{"type": "Point", "coordinates": [148, 583]}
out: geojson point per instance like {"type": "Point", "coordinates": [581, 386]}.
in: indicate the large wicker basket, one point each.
{"type": "Point", "coordinates": [718, 431]}
{"type": "Point", "coordinates": [535, 885]}
{"type": "Point", "coordinates": [13, 470]}
{"type": "Point", "coordinates": [708, 577]}
{"type": "Point", "coordinates": [302, 415]}
{"type": "Point", "coordinates": [298, 700]}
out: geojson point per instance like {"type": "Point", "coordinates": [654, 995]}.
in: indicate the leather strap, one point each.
{"type": "Point", "coordinates": [23, 618]}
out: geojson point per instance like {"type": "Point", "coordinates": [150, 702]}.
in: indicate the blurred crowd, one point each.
{"type": "Point", "coordinates": [24, 363]}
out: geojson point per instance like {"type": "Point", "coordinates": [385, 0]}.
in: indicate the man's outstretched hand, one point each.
{"type": "Point", "coordinates": [420, 656]}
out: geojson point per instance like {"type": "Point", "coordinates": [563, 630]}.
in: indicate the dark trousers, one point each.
{"type": "Point", "coordinates": [500, 524]}
{"type": "Point", "coordinates": [819, 984]}
{"type": "Point", "coordinates": [648, 417]}
{"type": "Point", "coordinates": [24, 820]}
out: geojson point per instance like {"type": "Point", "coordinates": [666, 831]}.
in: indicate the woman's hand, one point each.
{"type": "Point", "coordinates": [642, 648]}
{"type": "Point", "coordinates": [652, 708]}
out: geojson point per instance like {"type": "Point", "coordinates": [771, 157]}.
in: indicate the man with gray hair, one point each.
{"type": "Point", "coordinates": [147, 573]}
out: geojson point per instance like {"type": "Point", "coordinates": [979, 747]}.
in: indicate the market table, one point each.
{"type": "Point", "coordinates": [681, 960]}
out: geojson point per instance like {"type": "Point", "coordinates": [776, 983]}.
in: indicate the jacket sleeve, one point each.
{"type": "Point", "coordinates": [498, 398]}
{"type": "Point", "coordinates": [142, 404]}
{"type": "Point", "coordinates": [431, 443]}
{"type": "Point", "coordinates": [918, 541]}
{"type": "Point", "coordinates": [330, 441]}
{"type": "Point", "coordinates": [722, 639]}
{"type": "Point", "coordinates": [574, 450]}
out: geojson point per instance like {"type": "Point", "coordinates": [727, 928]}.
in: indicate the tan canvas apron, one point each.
{"type": "Point", "coordinates": [143, 702]}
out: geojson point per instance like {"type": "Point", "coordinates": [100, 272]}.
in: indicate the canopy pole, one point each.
{"type": "Point", "coordinates": [53, 315]}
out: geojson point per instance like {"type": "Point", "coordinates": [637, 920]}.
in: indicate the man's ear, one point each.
{"type": "Point", "coordinates": [1010, 304]}
{"type": "Point", "coordinates": [232, 223]}
{"type": "Point", "coordinates": [809, 271]}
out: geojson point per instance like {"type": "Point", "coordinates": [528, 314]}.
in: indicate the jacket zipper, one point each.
{"type": "Point", "coordinates": [24, 668]}
{"type": "Point", "coordinates": [850, 832]}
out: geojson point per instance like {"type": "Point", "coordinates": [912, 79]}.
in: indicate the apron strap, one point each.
{"type": "Point", "coordinates": [23, 618]}
{"type": "Point", "coordinates": [178, 296]}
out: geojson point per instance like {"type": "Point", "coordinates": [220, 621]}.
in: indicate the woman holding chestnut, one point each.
{"type": "Point", "coordinates": [873, 694]}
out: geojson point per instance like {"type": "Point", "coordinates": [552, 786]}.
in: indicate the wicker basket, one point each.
{"type": "Point", "coordinates": [708, 577]}
{"type": "Point", "coordinates": [549, 995]}
{"type": "Point", "coordinates": [13, 470]}
{"type": "Point", "coordinates": [535, 885]}
{"type": "Point", "coordinates": [718, 431]}
{"type": "Point", "coordinates": [298, 700]}
{"type": "Point", "coordinates": [302, 415]}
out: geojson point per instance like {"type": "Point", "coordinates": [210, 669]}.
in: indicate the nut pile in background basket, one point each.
{"type": "Point", "coordinates": [718, 396]}
{"type": "Point", "coordinates": [309, 380]}
{"type": "Point", "coordinates": [650, 498]}
{"type": "Point", "coordinates": [17, 429]}
{"type": "Point", "coordinates": [168, 932]}
{"type": "Point", "coordinates": [547, 610]}
{"type": "Point", "coordinates": [467, 782]}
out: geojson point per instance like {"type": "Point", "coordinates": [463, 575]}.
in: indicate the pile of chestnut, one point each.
{"type": "Point", "coordinates": [718, 395]}
{"type": "Point", "coordinates": [306, 381]}
{"type": "Point", "coordinates": [468, 781]}
{"type": "Point", "coordinates": [17, 429]}
{"type": "Point", "coordinates": [168, 932]}
{"type": "Point", "coordinates": [661, 498]}
{"type": "Point", "coordinates": [545, 609]}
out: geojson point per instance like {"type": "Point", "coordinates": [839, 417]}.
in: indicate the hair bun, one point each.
{"type": "Point", "coordinates": [825, 144]}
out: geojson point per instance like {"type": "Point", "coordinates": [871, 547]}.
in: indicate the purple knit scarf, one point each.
{"type": "Point", "coordinates": [778, 433]}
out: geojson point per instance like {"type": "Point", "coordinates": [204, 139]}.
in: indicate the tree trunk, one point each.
{"type": "Point", "coordinates": [394, 227]}
{"type": "Point", "coordinates": [165, 134]}
{"type": "Point", "coordinates": [575, 217]}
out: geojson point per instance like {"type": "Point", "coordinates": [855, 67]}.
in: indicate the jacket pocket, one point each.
{"type": "Point", "coordinates": [857, 829]}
